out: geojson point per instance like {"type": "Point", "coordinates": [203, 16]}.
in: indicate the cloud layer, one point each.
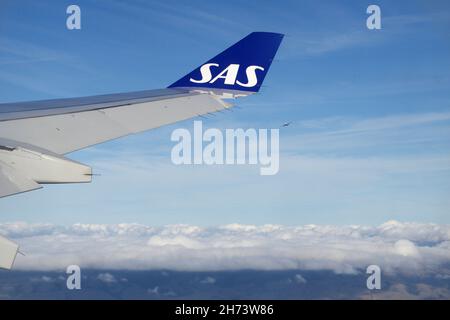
{"type": "Point", "coordinates": [406, 248]}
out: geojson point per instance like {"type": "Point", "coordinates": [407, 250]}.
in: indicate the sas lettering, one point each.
{"type": "Point", "coordinates": [229, 74]}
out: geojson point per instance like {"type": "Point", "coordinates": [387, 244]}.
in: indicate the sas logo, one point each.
{"type": "Point", "coordinates": [229, 74]}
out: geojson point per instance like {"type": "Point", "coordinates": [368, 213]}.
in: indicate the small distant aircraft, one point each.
{"type": "Point", "coordinates": [35, 136]}
{"type": "Point", "coordinates": [286, 124]}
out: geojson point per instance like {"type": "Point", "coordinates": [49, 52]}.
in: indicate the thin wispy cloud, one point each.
{"type": "Point", "coordinates": [190, 19]}
{"type": "Point", "coordinates": [376, 135]}
{"type": "Point", "coordinates": [16, 51]}
{"type": "Point", "coordinates": [355, 35]}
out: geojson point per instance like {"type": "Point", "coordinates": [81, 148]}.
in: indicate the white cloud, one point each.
{"type": "Point", "coordinates": [154, 290]}
{"type": "Point", "coordinates": [107, 278]}
{"type": "Point", "coordinates": [299, 279]}
{"type": "Point", "coordinates": [43, 279]}
{"type": "Point", "coordinates": [208, 280]}
{"type": "Point", "coordinates": [406, 248]}
{"type": "Point", "coordinates": [395, 246]}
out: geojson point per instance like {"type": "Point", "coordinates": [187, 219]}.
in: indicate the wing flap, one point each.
{"type": "Point", "coordinates": [13, 182]}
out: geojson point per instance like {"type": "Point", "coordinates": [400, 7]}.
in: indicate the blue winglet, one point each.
{"type": "Point", "coordinates": [241, 67]}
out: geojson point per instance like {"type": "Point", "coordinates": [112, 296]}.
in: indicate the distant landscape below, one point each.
{"type": "Point", "coordinates": [247, 284]}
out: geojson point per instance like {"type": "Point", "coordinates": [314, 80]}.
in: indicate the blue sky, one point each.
{"type": "Point", "coordinates": [370, 110]}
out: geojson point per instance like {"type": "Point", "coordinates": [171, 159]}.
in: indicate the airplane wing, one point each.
{"type": "Point", "coordinates": [35, 136]}
{"type": "Point", "coordinates": [67, 125]}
